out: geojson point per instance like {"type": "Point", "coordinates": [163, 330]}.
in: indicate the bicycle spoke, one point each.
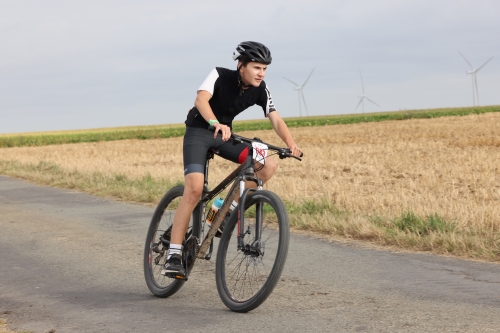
{"type": "Point", "coordinates": [246, 276]}
{"type": "Point", "coordinates": [157, 245]}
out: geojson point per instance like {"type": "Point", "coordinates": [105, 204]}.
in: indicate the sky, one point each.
{"type": "Point", "coordinates": [90, 64]}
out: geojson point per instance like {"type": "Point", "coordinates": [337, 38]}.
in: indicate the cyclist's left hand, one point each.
{"type": "Point", "coordinates": [296, 151]}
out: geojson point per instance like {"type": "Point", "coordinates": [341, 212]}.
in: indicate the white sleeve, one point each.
{"type": "Point", "coordinates": [269, 103]}
{"type": "Point", "coordinates": [209, 82]}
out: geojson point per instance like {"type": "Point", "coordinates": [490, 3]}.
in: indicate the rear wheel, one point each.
{"type": "Point", "coordinates": [247, 276]}
{"type": "Point", "coordinates": [158, 243]}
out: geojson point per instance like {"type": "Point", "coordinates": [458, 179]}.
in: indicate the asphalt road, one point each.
{"type": "Point", "coordinates": [72, 262]}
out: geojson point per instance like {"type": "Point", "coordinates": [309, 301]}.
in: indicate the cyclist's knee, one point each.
{"type": "Point", "coordinates": [192, 194]}
{"type": "Point", "coordinates": [269, 169]}
{"type": "Point", "coordinates": [193, 186]}
{"type": "Point", "coordinates": [273, 167]}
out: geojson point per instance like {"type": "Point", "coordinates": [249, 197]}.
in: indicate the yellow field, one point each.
{"type": "Point", "coordinates": [447, 166]}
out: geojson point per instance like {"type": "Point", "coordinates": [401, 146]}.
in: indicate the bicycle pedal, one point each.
{"type": "Point", "coordinates": [176, 276]}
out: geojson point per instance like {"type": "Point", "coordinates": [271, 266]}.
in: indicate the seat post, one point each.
{"type": "Point", "coordinates": [210, 155]}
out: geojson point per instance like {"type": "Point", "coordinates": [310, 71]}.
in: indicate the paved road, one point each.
{"type": "Point", "coordinates": [73, 263]}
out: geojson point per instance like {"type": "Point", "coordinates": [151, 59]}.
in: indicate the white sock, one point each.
{"type": "Point", "coordinates": [174, 249]}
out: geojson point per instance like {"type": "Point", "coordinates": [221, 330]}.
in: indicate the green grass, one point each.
{"type": "Point", "coordinates": [168, 131]}
{"type": "Point", "coordinates": [411, 223]}
{"type": "Point", "coordinates": [429, 233]}
{"type": "Point", "coordinates": [43, 139]}
{"type": "Point", "coordinates": [143, 190]}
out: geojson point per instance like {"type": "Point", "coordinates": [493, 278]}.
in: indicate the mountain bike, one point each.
{"type": "Point", "coordinates": [254, 242]}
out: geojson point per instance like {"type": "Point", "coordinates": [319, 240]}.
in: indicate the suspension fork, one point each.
{"type": "Point", "coordinates": [250, 176]}
{"type": "Point", "coordinates": [259, 214]}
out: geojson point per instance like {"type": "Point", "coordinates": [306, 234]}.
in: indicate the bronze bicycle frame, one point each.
{"type": "Point", "coordinates": [242, 173]}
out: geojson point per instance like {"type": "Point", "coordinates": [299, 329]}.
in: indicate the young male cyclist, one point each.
{"type": "Point", "coordinates": [224, 94]}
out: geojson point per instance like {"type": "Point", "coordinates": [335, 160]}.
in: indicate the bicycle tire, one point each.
{"type": "Point", "coordinates": [245, 280]}
{"type": "Point", "coordinates": [156, 250]}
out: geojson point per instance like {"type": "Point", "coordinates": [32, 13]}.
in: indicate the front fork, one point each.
{"type": "Point", "coordinates": [253, 248]}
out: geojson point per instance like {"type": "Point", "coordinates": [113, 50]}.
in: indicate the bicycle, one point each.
{"type": "Point", "coordinates": [249, 262]}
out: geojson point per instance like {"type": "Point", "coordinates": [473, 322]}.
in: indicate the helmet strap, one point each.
{"type": "Point", "coordinates": [241, 84]}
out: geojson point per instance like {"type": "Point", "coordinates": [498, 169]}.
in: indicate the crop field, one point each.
{"type": "Point", "coordinates": [419, 184]}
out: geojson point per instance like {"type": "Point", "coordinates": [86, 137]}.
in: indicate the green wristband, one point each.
{"type": "Point", "coordinates": [212, 121]}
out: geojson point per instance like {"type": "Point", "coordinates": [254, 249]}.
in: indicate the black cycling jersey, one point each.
{"type": "Point", "coordinates": [226, 102]}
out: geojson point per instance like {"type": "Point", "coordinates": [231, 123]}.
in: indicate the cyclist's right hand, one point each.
{"type": "Point", "coordinates": [224, 130]}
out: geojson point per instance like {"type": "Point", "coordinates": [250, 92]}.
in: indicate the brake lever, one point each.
{"type": "Point", "coordinates": [283, 155]}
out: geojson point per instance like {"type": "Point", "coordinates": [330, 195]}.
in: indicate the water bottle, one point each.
{"type": "Point", "coordinates": [213, 211]}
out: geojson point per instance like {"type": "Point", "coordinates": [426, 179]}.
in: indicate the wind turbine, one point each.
{"type": "Point", "coordinates": [301, 94]}
{"type": "Point", "coordinates": [473, 71]}
{"type": "Point", "coordinates": [363, 97]}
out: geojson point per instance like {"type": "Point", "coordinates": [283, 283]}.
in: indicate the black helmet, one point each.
{"type": "Point", "coordinates": [252, 51]}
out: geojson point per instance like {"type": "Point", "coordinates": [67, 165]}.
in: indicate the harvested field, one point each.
{"type": "Point", "coordinates": [360, 177]}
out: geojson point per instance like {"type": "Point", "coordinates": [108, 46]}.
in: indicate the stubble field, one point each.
{"type": "Point", "coordinates": [422, 184]}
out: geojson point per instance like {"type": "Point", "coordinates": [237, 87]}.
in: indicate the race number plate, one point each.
{"type": "Point", "coordinates": [259, 152]}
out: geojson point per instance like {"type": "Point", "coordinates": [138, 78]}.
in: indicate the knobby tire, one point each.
{"type": "Point", "coordinates": [159, 285]}
{"type": "Point", "coordinates": [245, 280]}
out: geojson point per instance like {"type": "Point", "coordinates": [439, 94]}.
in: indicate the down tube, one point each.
{"type": "Point", "coordinates": [197, 222]}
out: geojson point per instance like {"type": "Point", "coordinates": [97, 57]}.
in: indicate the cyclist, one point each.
{"type": "Point", "coordinates": [224, 94]}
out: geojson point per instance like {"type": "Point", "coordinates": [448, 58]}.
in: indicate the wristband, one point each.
{"type": "Point", "coordinates": [212, 121]}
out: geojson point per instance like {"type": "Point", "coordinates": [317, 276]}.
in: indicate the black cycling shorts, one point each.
{"type": "Point", "coordinates": [197, 142]}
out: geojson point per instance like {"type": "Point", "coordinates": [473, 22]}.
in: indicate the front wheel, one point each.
{"type": "Point", "coordinates": [158, 243]}
{"type": "Point", "coordinates": [247, 276]}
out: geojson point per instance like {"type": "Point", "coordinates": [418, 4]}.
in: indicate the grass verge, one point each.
{"type": "Point", "coordinates": [168, 131]}
{"type": "Point", "coordinates": [118, 186]}
{"type": "Point", "coordinates": [409, 231]}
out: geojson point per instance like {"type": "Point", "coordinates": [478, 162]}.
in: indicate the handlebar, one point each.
{"type": "Point", "coordinates": [281, 152]}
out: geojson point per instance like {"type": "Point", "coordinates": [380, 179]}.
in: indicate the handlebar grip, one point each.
{"type": "Point", "coordinates": [287, 153]}
{"type": "Point", "coordinates": [290, 154]}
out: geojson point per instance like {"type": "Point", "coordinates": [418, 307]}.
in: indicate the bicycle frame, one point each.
{"type": "Point", "coordinates": [238, 177]}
